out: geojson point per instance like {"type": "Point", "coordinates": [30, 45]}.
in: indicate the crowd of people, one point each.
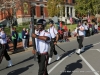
{"type": "Point", "coordinates": [64, 34]}
{"type": "Point", "coordinates": [90, 29]}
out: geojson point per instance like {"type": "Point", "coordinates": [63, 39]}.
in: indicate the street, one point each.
{"type": "Point", "coordinates": [86, 63]}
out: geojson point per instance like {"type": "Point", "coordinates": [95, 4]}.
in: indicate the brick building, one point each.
{"type": "Point", "coordinates": [23, 13]}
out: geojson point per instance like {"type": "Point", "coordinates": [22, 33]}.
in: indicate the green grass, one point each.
{"type": "Point", "coordinates": [72, 27]}
{"type": "Point", "coordinates": [19, 28]}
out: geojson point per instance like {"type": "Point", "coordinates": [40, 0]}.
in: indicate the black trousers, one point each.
{"type": "Point", "coordinates": [86, 33]}
{"type": "Point", "coordinates": [4, 53]}
{"type": "Point", "coordinates": [80, 41]}
{"type": "Point", "coordinates": [7, 57]}
{"type": "Point", "coordinates": [14, 44]}
{"type": "Point", "coordinates": [43, 61]}
{"type": "Point", "coordinates": [52, 49]}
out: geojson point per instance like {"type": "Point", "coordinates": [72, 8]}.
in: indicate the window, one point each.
{"type": "Point", "coordinates": [37, 0]}
{"type": "Point", "coordinates": [63, 11]}
{"type": "Point", "coordinates": [66, 1]}
{"type": "Point", "coordinates": [67, 11]}
{"type": "Point", "coordinates": [41, 10]}
{"type": "Point", "coordinates": [45, 0]}
{"type": "Point", "coordinates": [71, 11]}
{"type": "Point", "coordinates": [73, 1]}
{"type": "Point", "coordinates": [33, 11]}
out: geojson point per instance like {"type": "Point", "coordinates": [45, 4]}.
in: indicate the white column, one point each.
{"type": "Point", "coordinates": [65, 11]}
{"type": "Point", "coordinates": [65, 14]}
{"type": "Point", "coordinates": [73, 12]}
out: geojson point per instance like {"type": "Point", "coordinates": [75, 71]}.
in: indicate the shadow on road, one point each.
{"type": "Point", "coordinates": [87, 47]}
{"type": "Point", "coordinates": [68, 53]}
{"type": "Point", "coordinates": [32, 57]}
{"type": "Point", "coordinates": [64, 55]}
{"type": "Point", "coordinates": [20, 70]}
{"type": "Point", "coordinates": [69, 69]}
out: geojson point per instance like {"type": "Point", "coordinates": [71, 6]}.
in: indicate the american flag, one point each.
{"type": "Point", "coordinates": [71, 20]}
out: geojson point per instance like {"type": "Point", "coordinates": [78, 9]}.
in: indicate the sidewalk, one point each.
{"type": "Point", "coordinates": [20, 47]}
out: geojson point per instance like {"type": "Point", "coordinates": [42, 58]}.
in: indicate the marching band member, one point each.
{"type": "Point", "coordinates": [3, 42]}
{"type": "Point", "coordinates": [43, 40]}
{"type": "Point", "coordinates": [79, 31]}
{"type": "Point", "coordinates": [54, 35]}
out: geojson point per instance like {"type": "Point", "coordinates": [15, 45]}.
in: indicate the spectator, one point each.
{"type": "Point", "coordinates": [69, 33]}
{"type": "Point", "coordinates": [65, 36]}
{"type": "Point", "coordinates": [93, 29]}
{"type": "Point", "coordinates": [14, 38]}
{"type": "Point", "coordinates": [24, 38]}
{"type": "Point", "coordinates": [60, 35]}
{"type": "Point", "coordinates": [86, 29]}
{"type": "Point", "coordinates": [27, 37]}
{"type": "Point", "coordinates": [96, 28]}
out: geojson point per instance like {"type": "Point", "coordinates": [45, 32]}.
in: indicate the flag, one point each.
{"type": "Point", "coordinates": [71, 20]}
{"type": "Point", "coordinates": [88, 18]}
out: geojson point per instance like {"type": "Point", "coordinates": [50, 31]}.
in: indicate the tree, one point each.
{"type": "Point", "coordinates": [9, 8]}
{"type": "Point", "coordinates": [54, 7]}
{"type": "Point", "coordinates": [87, 6]}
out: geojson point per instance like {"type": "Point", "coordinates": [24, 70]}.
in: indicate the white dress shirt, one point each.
{"type": "Point", "coordinates": [52, 31]}
{"type": "Point", "coordinates": [43, 46]}
{"type": "Point", "coordinates": [81, 32]}
{"type": "Point", "coordinates": [3, 39]}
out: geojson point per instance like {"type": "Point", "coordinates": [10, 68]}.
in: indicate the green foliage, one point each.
{"type": "Point", "coordinates": [24, 23]}
{"type": "Point", "coordinates": [83, 6]}
{"type": "Point", "coordinates": [53, 7]}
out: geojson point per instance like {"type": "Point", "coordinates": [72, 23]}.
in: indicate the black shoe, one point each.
{"type": "Point", "coordinates": [78, 53]}
{"type": "Point", "coordinates": [9, 66]}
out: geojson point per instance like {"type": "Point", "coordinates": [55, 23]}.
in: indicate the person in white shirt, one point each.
{"type": "Point", "coordinates": [96, 28]}
{"type": "Point", "coordinates": [54, 35]}
{"type": "Point", "coordinates": [3, 43]}
{"type": "Point", "coordinates": [79, 31]}
{"type": "Point", "coordinates": [42, 46]}
{"type": "Point", "coordinates": [86, 29]}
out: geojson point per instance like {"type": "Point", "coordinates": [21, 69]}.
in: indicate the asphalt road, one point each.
{"type": "Point", "coordinates": [70, 64]}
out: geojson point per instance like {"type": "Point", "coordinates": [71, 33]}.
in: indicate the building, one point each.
{"type": "Point", "coordinates": [23, 10]}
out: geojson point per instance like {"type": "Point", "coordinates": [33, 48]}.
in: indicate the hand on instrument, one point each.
{"type": "Point", "coordinates": [55, 42]}
{"type": "Point", "coordinates": [34, 51]}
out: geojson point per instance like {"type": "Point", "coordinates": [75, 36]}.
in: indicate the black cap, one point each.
{"type": "Point", "coordinates": [51, 22]}
{"type": "Point", "coordinates": [41, 22]}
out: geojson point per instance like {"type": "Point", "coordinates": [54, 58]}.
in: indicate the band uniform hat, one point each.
{"type": "Point", "coordinates": [41, 22]}
{"type": "Point", "coordinates": [51, 22]}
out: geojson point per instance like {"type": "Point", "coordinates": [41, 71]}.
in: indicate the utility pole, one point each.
{"type": "Point", "coordinates": [33, 31]}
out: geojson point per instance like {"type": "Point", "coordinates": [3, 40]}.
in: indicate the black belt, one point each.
{"type": "Point", "coordinates": [45, 53]}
